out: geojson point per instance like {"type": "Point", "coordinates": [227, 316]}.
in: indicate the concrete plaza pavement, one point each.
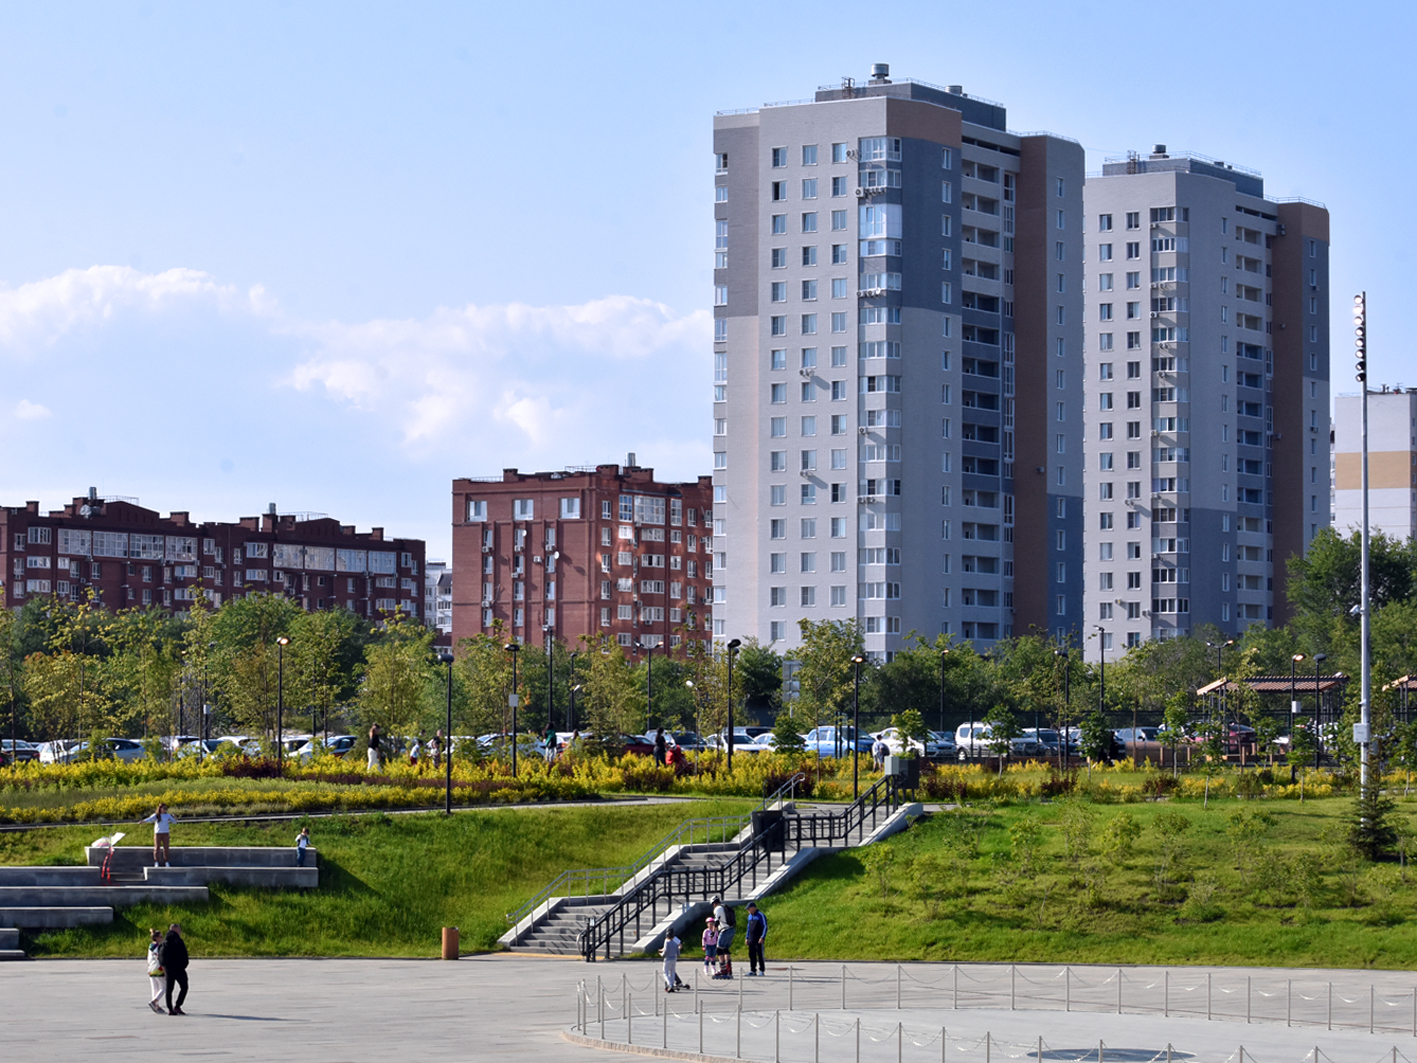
{"type": "Point", "coordinates": [516, 1006]}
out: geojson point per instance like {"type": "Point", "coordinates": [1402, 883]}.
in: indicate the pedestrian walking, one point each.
{"type": "Point", "coordinates": [661, 747]}
{"type": "Point", "coordinates": [879, 751]}
{"type": "Point", "coordinates": [414, 750]}
{"type": "Point", "coordinates": [434, 749]}
{"type": "Point", "coordinates": [756, 935]}
{"type": "Point", "coordinates": [174, 963]}
{"type": "Point", "coordinates": [671, 961]}
{"type": "Point", "coordinates": [374, 748]}
{"type": "Point", "coordinates": [302, 842]}
{"type": "Point", "coordinates": [710, 944]}
{"type": "Point", "coordinates": [156, 975]}
{"type": "Point", "coordinates": [550, 743]}
{"type": "Point", "coordinates": [162, 835]}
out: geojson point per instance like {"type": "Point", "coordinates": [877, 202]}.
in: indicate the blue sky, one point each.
{"type": "Point", "coordinates": [333, 255]}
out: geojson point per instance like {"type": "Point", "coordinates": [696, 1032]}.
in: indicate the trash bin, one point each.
{"type": "Point", "coordinates": [770, 829]}
{"type": "Point", "coordinates": [906, 771]}
{"type": "Point", "coordinates": [450, 942]}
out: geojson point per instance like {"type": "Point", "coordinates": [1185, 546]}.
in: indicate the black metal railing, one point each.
{"type": "Point", "coordinates": [676, 884]}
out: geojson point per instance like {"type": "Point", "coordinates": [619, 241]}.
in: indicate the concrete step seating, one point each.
{"type": "Point", "coordinates": [193, 865]}
{"type": "Point", "coordinates": [10, 944]}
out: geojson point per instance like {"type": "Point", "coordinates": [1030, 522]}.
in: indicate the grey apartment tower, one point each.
{"type": "Point", "coordinates": [898, 369]}
{"type": "Point", "coordinates": [1207, 396]}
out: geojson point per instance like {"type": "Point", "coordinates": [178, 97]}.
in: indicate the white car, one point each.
{"type": "Point", "coordinates": [976, 740]}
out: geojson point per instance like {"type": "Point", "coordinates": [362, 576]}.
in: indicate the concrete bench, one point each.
{"type": "Point", "coordinates": [41, 917]}
{"type": "Point", "coordinates": [135, 858]}
{"type": "Point", "coordinates": [88, 896]}
{"type": "Point", "coordinates": [49, 876]}
{"type": "Point", "coordinates": [307, 877]}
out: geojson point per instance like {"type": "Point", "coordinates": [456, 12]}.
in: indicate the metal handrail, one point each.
{"type": "Point", "coordinates": [656, 851]}
{"type": "Point", "coordinates": [705, 882]}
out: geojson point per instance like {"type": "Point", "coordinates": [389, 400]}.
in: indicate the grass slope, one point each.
{"type": "Point", "coordinates": [1283, 894]}
{"type": "Point", "coordinates": [388, 884]}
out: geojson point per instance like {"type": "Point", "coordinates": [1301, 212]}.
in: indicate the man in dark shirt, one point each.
{"type": "Point", "coordinates": [756, 936]}
{"type": "Point", "coordinates": [174, 962]}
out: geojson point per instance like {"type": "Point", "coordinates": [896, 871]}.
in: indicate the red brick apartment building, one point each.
{"type": "Point", "coordinates": [587, 551]}
{"type": "Point", "coordinates": [131, 556]}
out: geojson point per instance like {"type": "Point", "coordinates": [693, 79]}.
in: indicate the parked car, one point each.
{"type": "Point", "coordinates": [974, 740]}
{"type": "Point", "coordinates": [690, 742]}
{"type": "Point", "coordinates": [57, 751]}
{"type": "Point", "coordinates": [931, 747]}
{"type": "Point", "coordinates": [945, 743]}
{"type": "Point", "coordinates": [125, 749]}
{"type": "Point", "coordinates": [823, 741]}
{"type": "Point", "coordinates": [741, 738]}
{"type": "Point", "coordinates": [337, 746]}
{"type": "Point", "coordinates": [20, 751]}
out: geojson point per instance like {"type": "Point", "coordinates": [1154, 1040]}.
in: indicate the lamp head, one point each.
{"type": "Point", "coordinates": [858, 659]}
{"type": "Point", "coordinates": [445, 658]}
{"type": "Point", "coordinates": [511, 647]}
{"type": "Point", "coordinates": [733, 644]}
{"type": "Point", "coordinates": [1320, 657]}
{"type": "Point", "coordinates": [283, 641]}
{"type": "Point", "coordinates": [1298, 657]}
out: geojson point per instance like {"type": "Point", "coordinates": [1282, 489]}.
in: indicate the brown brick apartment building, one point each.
{"type": "Point", "coordinates": [602, 551]}
{"type": "Point", "coordinates": [131, 556]}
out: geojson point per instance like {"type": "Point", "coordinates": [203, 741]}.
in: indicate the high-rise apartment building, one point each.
{"type": "Point", "coordinates": [897, 368]}
{"type": "Point", "coordinates": [602, 551]}
{"type": "Point", "coordinates": [1392, 462]}
{"type": "Point", "coordinates": [1206, 394]}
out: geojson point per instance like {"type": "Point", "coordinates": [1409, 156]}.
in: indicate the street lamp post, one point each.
{"type": "Point", "coordinates": [550, 676]}
{"type": "Point", "coordinates": [697, 733]}
{"type": "Point", "coordinates": [1067, 704]}
{"type": "Point", "coordinates": [571, 708]}
{"type": "Point", "coordinates": [732, 649]}
{"type": "Point", "coordinates": [513, 648]}
{"type": "Point", "coordinates": [282, 643]}
{"type": "Point", "coordinates": [1319, 658]}
{"type": "Point", "coordinates": [447, 658]}
{"type": "Point", "coordinates": [943, 655]}
{"type": "Point", "coordinates": [1101, 671]}
{"type": "Point", "coordinates": [856, 663]}
{"type": "Point", "coordinates": [650, 717]}
{"type": "Point", "coordinates": [1293, 707]}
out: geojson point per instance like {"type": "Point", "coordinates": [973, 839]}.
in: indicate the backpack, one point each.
{"type": "Point", "coordinates": [730, 917]}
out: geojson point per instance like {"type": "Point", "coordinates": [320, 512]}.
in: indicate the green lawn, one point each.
{"type": "Point", "coordinates": [388, 884]}
{"type": "Point", "coordinates": [965, 886]}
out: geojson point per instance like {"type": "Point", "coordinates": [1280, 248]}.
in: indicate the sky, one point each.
{"type": "Point", "coordinates": [332, 255]}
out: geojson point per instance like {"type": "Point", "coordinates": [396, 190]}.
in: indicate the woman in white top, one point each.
{"type": "Point", "coordinates": [156, 975]}
{"type": "Point", "coordinates": [162, 833]}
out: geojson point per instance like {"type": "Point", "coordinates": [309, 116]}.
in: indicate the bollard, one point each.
{"type": "Point", "coordinates": [1168, 1052]}
{"type": "Point", "coordinates": [1013, 985]}
{"type": "Point", "coordinates": [777, 1036]}
{"type": "Point", "coordinates": [1067, 989]}
{"type": "Point", "coordinates": [450, 942]}
{"type": "Point", "coordinates": [1372, 1004]}
{"type": "Point", "coordinates": [739, 1053]}
{"type": "Point", "coordinates": [624, 990]}
{"type": "Point", "coordinates": [1247, 1000]}
{"type": "Point", "coordinates": [1099, 1051]}
{"type": "Point", "coordinates": [858, 1039]}
{"type": "Point", "coordinates": [664, 1041]}
{"type": "Point", "coordinates": [1242, 1054]}
{"type": "Point", "coordinates": [629, 1023]}
{"type": "Point", "coordinates": [897, 987]}
{"type": "Point", "coordinates": [817, 1037]}
{"type": "Point", "coordinates": [1289, 1002]}
{"type": "Point", "coordinates": [1119, 990]}
{"type": "Point", "coordinates": [944, 1041]}
{"type": "Point", "coordinates": [1330, 1007]}
{"type": "Point", "coordinates": [1207, 996]}
{"type": "Point", "coordinates": [899, 1041]}
{"type": "Point", "coordinates": [988, 1046]}
{"type": "Point", "coordinates": [843, 987]}
{"type": "Point", "coordinates": [700, 1010]}
{"type": "Point", "coordinates": [790, 971]}
{"type": "Point", "coordinates": [955, 1005]}
{"type": "Point", "coordinates": [1166, 995]}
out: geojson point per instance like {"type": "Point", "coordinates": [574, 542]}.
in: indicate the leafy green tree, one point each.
{"type": "Point", "coordinates": [612, 699]}
{"type": "Point", "coordinates": [11, 675]}
{"type": "Point", "coordinates": [144, 667]}
{"type": "Point", "coordinates": [762, 676]}
{"type": "Point", "coordinates": [911, 725]}
{"type": "Point", "coordinates": [398, 676]}
{"type": "Point", "coordinates": [1095, 737]}
{"type": "Point", "coordinates": [322, 662]}
{"type": "Point", "coordinates": [826, 673]}
{"type": "Point", "coordinates": [1372, 835]}
{"type": "Point", "coordinates": [246, 661]}
{"type": "Point", "coordinates": [786, 736]}
{"type": "Point", "coordinates": [483, 679]}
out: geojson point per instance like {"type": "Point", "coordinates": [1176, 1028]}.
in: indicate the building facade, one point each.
{"type": "Point", "coordinates": [897, 369]}
{"type": "Point", "coordinates": [438, 596]}
{"type": "Point", "coordinates": [1392, 462]}
{"type": "Point", "coordinates": [1207, 396]}
{"type": "Point", "coordinates": [130, 556]}
{"type": "Point", "coordinates": [598, 552]}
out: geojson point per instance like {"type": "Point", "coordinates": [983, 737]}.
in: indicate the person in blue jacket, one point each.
{"type": "Point", "coordinates": [756, 936]}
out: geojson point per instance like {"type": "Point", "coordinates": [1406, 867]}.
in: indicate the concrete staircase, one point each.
{"type": "Point", "coordinates": [47, 898]}
{"type": "Point", "coordinates": [555, 927]}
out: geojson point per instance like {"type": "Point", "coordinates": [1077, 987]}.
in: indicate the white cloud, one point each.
{"type": "Point", "coordinates": [31, 411]}
{"type": "Point", "coordinates": [40, 313]}
{"type": "Point", "coordinates": [532, 384]}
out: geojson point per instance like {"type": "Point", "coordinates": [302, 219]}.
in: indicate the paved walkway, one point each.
{"type": "Point", "coordinates": [493, 1007]}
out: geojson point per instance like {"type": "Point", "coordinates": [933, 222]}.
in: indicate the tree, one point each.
{"type": "Point", "coordinates": [145, 666]}
{"type": "Point", "coordinates": [911, 725]}
{"type": "Point", "coordinates": [64, 683]}
{"type": "Point", "coordinates": [611, 699]}
{"type": "Point", "coordinates": [483, 677]}
{"type": "Point", "coordinates": [761, 669]}
{"type": "Point", "coordinates": [322, 662]}
{"type": "Point", "coordinates": [826, 673]}
{"type": "Point", "coordinates": [247, 661]}
{"type": "Point", "coordinates": [397, 675]}
{"type": "Point", "coordinates": [1095, 737]}
{"type": "Point", "coordinates": [11, 676]}
{"type": "Point", "coordinates": [786, 736]}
